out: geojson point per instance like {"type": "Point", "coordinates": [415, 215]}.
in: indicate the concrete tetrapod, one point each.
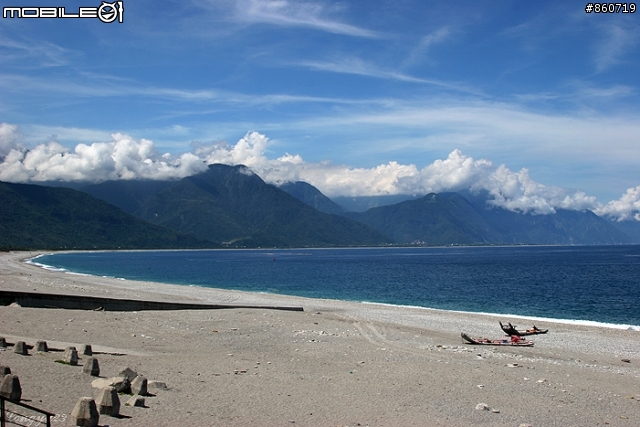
{"type": "Point", "coordinates": [41, 346]}
{"type": "Point", "coordinates": [108, 402]}
{"type": "Point", "coordinates": [71, 356]}
{"type": "Point", "coordinates": [20, 348]}
{"type": "Point", "coordinates": [91, 367]}
{"type": "Point", "coordinates": [139, 385]}
{"type": "Point", "coordinates": [10, 387]}
{"type": "Point", "coordinates": [85, 413]}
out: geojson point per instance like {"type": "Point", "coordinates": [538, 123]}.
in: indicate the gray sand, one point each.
{"type": "Point", "coordinates": [335, 364]}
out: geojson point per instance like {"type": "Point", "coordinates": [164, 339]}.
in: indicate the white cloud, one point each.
{"type": "Point", "coordinates": [126, 158]}
{"type": "Point", "coordinates": [615, 43]}
{"type": "Point", "coordinates": [357, 66]}
{"type": "Point", "coordinates": [46, 54]}
{"type": "Point", "coordinates": [248, 151]}
{"type": "Point", "coordinates": [296, 14]}
{"type": "Point", "coordinates": [9, 137]}
{"type": "Point", "coordinates": [516, 191]}
{"type": "Point", "coordinates": [495, 128]}
{"type": "Point", "coordinates": [454, 173]}
{"type": "Point", "coordinates": [511, 190]}
{"type": "Point", "coordinates": [113, 88]}
{"type": "Point", "coordinates": [426, 42]}
{"type": "Point", "coordinates": [121, 158]}
{"type": "Point", "coordinates": [625, 208]}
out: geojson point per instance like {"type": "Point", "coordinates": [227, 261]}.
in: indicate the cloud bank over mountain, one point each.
{"type": "Point", "coordinates": [627, 207]}
{"type": "Point", "coordinates": [127, 158]}
{"type": "Point", "coordinates": [121, 158]}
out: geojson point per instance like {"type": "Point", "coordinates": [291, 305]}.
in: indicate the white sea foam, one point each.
{"type": "Point", "coordinates": [32, 261]}
{"type": "Point", "coordinates": [521, 317]}
{"type": "Point", "coordinates": [48, 267]}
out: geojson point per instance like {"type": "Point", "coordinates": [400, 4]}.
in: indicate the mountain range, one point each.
{"type": "Point", "coordinates": [38, 217]}
{"type": "Point", "coordinates": [446, 218]}
{"type": "Point", "coordinates": [230, 206]}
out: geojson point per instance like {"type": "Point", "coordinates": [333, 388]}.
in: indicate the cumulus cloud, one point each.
{"type": "Point", "coordinates": [9, 137]}
{"type": "Point", "coordinates": [126, 158]}
{"type": "Point", "coordinates": [625, 208]}
{"type": "Point", "coordinates": [248, 151]}
{"type": "Point", "coordinates": [454, 173]}
{"type": "Point", "coordinates": [516, 191]}
{"type": "Point", "coordinates": [121, 158]}
{"type": "Point", "coordinates": [511, 190]}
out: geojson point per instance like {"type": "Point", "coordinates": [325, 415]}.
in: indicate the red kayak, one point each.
{"type": "Point", "coordinates": [510, 330]}
{"type": "Point", "coordinates": [513, 341]}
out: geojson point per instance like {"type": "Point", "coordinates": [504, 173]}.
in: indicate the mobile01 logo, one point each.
{"type": "Point", "coordinates": [106, 12]}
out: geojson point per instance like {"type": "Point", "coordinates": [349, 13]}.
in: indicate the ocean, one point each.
{"type": "Point", "coordinates": [580, 284]}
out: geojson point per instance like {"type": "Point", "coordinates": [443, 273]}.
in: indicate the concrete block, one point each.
{"type": "Point", "coordinates": [20, 348]}
{"type": "Point", "coordinates": [86, 350]}
{"type": "Point", "coordinates": [10, 387]}
{"type": "Point", "coordinates": [71, 356]}
{"type": "Point", "coordinates": [85, 413]}
{"type": "Point", "coordinates": [136, 401]}
{"type": "Point", "coordinates": [121, 384]}
{"type": "Point", "coordinates": [139, 385]}
{"type": "Point", "coordinates": [4, 370]}
{"type": "Point", "coordinates": [91, 367]}
{"type": "Point", "coordinates": [41, 346]}
{"type": "Point", "coordinates": [108, 402]}
{"type": "Point", "coordinates": [129, 373]}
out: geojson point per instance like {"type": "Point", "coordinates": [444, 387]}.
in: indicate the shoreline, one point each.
{"type": "Point", "coordinates": [338, 363]}
{"type": "Point", "coordinates": [584, 322]}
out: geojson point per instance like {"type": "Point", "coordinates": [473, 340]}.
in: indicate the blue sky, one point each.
{"type": "Point", "coordinates": [536, 102]}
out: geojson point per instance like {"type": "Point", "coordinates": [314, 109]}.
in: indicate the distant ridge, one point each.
{"type": "Point", "coordinates": [563, 227]}
{"type": "Point", "coordinates": [450, 218]}
{"type": "Point", "coordinates": [364, 203]}
{"type": "Point", "coordinates": [469, 218]}
{"type": "Point", "coordinates": [310, 195]}
{"type": "Point", "coordinates": [232, 206]}
{"type": "Point", "coordinates": [37, 217]}
{"type": "Point", "coordinates": [631, 228]}
{"type": "Point", "coordinates": [435, 219]}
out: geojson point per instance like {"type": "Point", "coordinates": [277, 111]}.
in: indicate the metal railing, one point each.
{"type": "Point", "coordinates": [8, 417]}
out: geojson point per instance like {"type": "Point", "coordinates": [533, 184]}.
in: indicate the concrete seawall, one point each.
{"type": "Point", "coordinates": [84, 302]}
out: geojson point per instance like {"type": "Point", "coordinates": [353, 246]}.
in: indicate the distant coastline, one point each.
{"type": "Point", "coordinates": [257, 255]}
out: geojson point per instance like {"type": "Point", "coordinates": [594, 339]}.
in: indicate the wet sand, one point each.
{"type": "Point", "coordinates": [335, 364]}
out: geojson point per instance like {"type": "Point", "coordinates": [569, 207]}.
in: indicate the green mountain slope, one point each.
{"type": "Point", "coordinates": [364, 203]}
{"type": "Point", "coordinates": [435, 219]}
{"type": "Point", "coordinates": [128, 195]}
{"type": "Point", "coordinates": [563, 227]}
{"type": "Point", "coordinates": [233, 206]}
{"type": "Point", "coordinates": [630, 227]}
{"type": "Point", "coordinates": [36, 217]}
{"type": "Point", "coordinates": [310, 195]}
{"type": "Point", "coordinates": [451, 218]}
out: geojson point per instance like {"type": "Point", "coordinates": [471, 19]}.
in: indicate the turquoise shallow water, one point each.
{"type": "Point", "coordinates": [580, 283]}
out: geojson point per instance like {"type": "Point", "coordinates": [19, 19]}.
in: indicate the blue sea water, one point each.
{"type": "Point", "coordinates": [577, 283]}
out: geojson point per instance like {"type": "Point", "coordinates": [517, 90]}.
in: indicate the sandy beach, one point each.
{"type": "Point", "coordinates": [334, 364]}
